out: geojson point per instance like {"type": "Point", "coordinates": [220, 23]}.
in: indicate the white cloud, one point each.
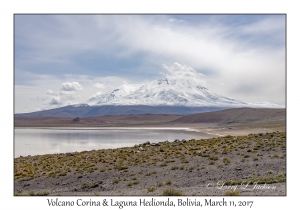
{"type": "Point", "coordinates": [99, 85]}
{"type": "Point", "coordinates": [253, 54]}
{"type": "Point", "coordinates": [42, 88]}
{"type": "Point", "coordinates": [175, 20]}
{"type": "Point", "coordinates": [55, 100]}
{"type": "Point", "coordinates": [71, 86]}
{"type": "Point", "coordinates": [97, 94]}
{"type": "Point", "coordinates": [50, 92]}
{"type": "Point", "coordinates": [185, 74]}
{"type": "Point", "coordinates": [67, 93]}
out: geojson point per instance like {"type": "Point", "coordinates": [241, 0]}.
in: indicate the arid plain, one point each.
{"type": "Point", "coordinates": [247, 157]}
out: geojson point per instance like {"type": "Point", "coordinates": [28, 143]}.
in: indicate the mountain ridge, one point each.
{"type": "Point", "coordinates": [87, 111]}
{"type": "Point", "coordinates": [223, 117]}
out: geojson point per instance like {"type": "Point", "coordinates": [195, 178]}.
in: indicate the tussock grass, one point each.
{"type": "Point", "coordinates": [281, 177]}
{"type": "Point", "coordinates": [151, 189]}
{"type": "Point", "coordinates": [160, 184]}
{"type": "Point", "coordinates": [169, 155]}
{"type": "Point", "coordinates": [169, 182]}
{"type": "Point", "coordinates": [116, 181]}
{"type": "Point", "coordinates": [226, 161]}
{"type": "Point", "coordinates": [232, 193]}
{"type": "Point", "coordinates": [150, 173]}
{"type": "Point", "coordinates": [172, 192]}
{"type": "Point", "coordinates": [31, 193]}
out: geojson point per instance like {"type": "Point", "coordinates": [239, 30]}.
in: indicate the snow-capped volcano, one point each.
{"type": "Point", "coordinates": [182, 86]}
{"type": "Point", "coordinates": [170, 92]}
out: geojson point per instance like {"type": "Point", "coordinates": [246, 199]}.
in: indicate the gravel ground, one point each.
{"type": "Point", "coordinates": [194, 167]}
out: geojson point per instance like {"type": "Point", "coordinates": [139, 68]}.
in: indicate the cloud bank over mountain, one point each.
{"type": "Point", "coordinates": [182, 86]}
{"type": "Point", "coordinates": [242, 56]}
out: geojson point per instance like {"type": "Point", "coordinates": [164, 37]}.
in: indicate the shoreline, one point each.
{"type": "Point", "coordinates": [149, 169]}
{"type": "Point", "coordinates": [210, 129]}
{"type": "Point", "coordinates": [112, 128]}
{"type": "Point", "coordinates": [191, 132]}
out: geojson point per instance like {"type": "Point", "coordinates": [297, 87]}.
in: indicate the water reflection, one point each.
{"type": "Point", "coordinates": [49, 141]}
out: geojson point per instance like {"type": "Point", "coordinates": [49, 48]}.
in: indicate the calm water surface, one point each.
{"type": "Point", "coordinates": [50, 141]}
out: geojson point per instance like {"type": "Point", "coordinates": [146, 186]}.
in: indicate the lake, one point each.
{"type": "Point", "coordinates": [49, 141]}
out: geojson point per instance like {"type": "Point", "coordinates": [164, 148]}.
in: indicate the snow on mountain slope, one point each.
{"type": "Point", "coordinates": [164, 92]}
{"type": "Point", "coordinates": [182, 86]}
{"type": "Point", "coordinates": [265, 105]}
{"type": "Point", "coordinates": [111, 96]}
{"type": "Point", "coordinates": [176, 93]}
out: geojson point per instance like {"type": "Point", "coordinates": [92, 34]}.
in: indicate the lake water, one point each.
{"type": "Point", "coordinates": [50, 141]}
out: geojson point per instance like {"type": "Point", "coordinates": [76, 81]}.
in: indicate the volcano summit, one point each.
{"type": "Point", "coordinates": [182, 91]}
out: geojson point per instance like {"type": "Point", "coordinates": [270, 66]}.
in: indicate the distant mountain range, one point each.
{"type": "Point", "coordinates": [236, 116]}
{"type": "Point", "coordinates": [164, 96]}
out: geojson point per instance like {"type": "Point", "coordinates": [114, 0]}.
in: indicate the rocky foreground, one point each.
{"type": "Point", "coordinates": [243, 165]}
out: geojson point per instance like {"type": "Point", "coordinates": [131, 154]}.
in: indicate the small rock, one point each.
{"type": "Point", "coordinates": [146, 143]}
{"type": "Point", "coordinates": [76, 119]}
{"type": "Point", "coordinates": [95, 185]}
{"type": "Point", "coordinates": [79, 177]}
{"type": "Point", "coordinates": [238, 169]}
{"type": "Point", "coordinates": [26, 185]}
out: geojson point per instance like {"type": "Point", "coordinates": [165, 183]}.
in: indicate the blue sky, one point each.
{"type": "Point", "coordinates": [65, 59]}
